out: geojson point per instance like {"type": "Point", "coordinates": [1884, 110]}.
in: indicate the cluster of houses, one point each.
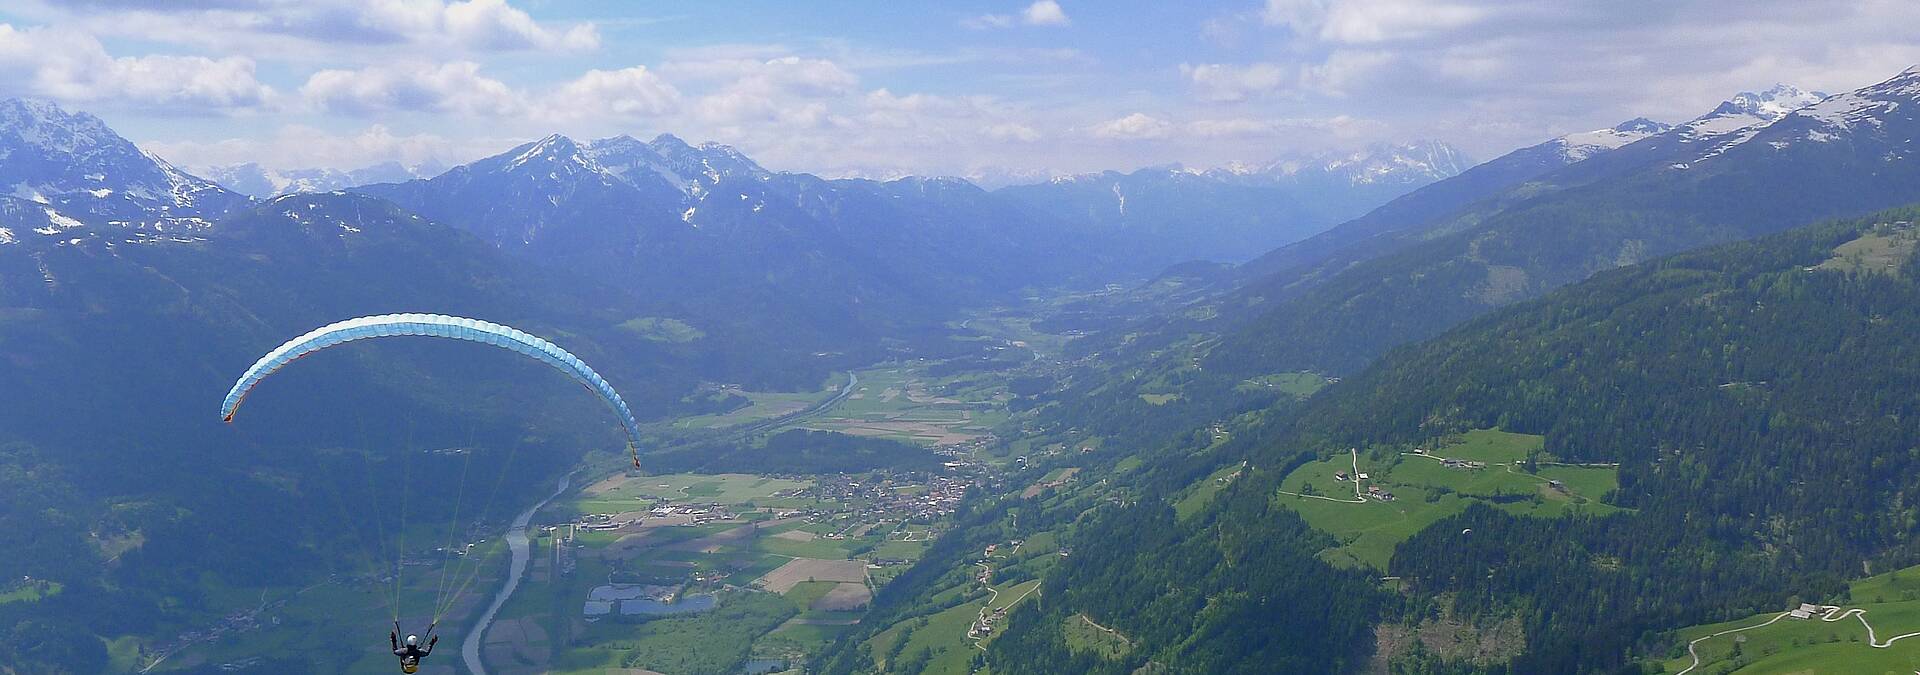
{"type": "Point", "coordinates": [697, 514]}
{"type": "Point", "coordinates": [885, 497]}
{"type": "Point", "coordinates": [983, 625]}
{"type": "Point", "coordinates": [690, 514]}
{"type": "Point", "coordinates": [1462, 464]}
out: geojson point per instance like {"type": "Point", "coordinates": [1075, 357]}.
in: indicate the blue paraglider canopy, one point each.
{"type": "Point", "coordinates": [434, 325]}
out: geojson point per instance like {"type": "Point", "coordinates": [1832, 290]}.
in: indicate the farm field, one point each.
{"type": "Point", "coordinates": [900, 402]}
{"type": "Point", "coordinates": [620, 494]}
{"type": "Point", "coordinates": [1082, 634]}
{"type": "Point", "coordinates": [765, 405]}
{"type": "Point", "coordinates": [1201, 493]}
{"type": "Point", "coordinates": [1428, 487]}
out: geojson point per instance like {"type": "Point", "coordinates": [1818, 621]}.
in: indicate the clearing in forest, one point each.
{"type": "Point", "coordinates": [1405, 493]}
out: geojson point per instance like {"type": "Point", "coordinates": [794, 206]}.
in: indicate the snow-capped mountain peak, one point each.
{"type": "Point", "coordinates": [555, 149]}
{"type": "Point", "coordinates": [1421, 161]}
{"type": "Point", "coordinates": [1881, 114]}
{"type": "Point", "coordinates": [76, 163]}
{"type": "Point", "coordinates": [1747, 109]}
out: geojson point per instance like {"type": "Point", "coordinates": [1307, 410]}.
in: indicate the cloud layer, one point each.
{"type": "Point", "coordinates": [1030, 88]}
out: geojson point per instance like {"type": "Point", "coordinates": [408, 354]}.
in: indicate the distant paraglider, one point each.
{"type": "Point", "coordinates": [434, 325]}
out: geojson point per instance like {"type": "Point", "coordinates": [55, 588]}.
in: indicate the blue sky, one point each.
{"type": "Point", "coordinates": [993, 89]}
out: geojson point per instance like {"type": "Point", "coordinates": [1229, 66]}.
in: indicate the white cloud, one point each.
{"type": "Point", "coordinates": [1303, 17]}
{"type": "Point", "coordinates": [1137, 126]}
{"type": "Point", "coordinates": [1246, 127]}
{"type": "Point", "coordinates": [1369, 21]}
{"type": "Point", "coordinates": [986, 21]}
{"type": "Point", "coordinates": [787, 90]}
{"type": "Point", "coordinates": [370, 29]}
{"type": "Point", "coordinates": [456, 87]}
{"type": "Point", "coordinates": [1012, 131]}
{"type": "Point", "coordinates": [1044, 13]}
{"type": "Point", "coordinates": [75, 68]}
{"type": "Point", "coordinates": [1346, 70]}
{"type": "Point", "coordinates": [1223, 82]}
{"type": "Point", "coordinates": [1040, 13]}
{"type": "Point", "coordinates": [626, 92]}
{"type": "Point", "coordinates": [491, 24]}
{"type": "Point", "coordinates": [304, 147]}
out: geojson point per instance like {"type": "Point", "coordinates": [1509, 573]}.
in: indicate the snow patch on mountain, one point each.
{"type": "Point", "coordinates": [1748, 109]}
{"type": "Point", "coordinates": [1743, 117]}
{"type": "Point", "coordinates": [1868, 106]}
{"type": "Point", "coordinates": [1577, 147]}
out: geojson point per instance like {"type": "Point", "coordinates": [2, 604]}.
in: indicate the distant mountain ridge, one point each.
{"type": "Point", "coordinates": [260, 182]}
{"type": "Point", "coordinates": [1750, 167]}
{"type": "Point", "coordinates": [1167, 215]}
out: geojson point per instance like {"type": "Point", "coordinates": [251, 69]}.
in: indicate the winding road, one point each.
{"type": "Point", "coordinates": [1832, 613]}
{"type": "Point", "coordinates": [521, 549]}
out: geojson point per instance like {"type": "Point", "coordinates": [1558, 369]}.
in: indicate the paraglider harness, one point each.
{"type": "Point", "coordinates": [411, 654]}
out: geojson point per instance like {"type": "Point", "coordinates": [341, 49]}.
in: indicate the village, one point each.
{"type": "Point", "coordinates": [671, 553]}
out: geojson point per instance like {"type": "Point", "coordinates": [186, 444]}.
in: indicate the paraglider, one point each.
{"type": "Point", "coordinates": [434, 325]}
{"type": "Point", "coordinates": [411, 653]}
{"type": "Point", "coordinates": [451, 586]}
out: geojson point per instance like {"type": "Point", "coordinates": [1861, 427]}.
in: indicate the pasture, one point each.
{"type": "Point", "coordinates": [1426, 488]}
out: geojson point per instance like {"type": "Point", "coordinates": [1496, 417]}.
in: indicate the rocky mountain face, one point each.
{"type": "Point", "coordinates": [75, 164]}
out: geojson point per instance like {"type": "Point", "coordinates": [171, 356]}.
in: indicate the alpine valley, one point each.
{"type": "Point", "coordinates": [1602, 404]}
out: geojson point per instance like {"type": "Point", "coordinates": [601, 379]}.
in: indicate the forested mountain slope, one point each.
{"type": "Point", "coordinates": [1682, 189]}
{"type": "Point", "coordinates": [1755, 396]}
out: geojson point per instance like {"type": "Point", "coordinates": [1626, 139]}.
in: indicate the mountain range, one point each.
{"type": "Point", "coordinates": [1697, 184]}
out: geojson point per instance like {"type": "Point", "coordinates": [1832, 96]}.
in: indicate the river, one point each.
{"type": "Point", "coordinates": [517, 543]}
